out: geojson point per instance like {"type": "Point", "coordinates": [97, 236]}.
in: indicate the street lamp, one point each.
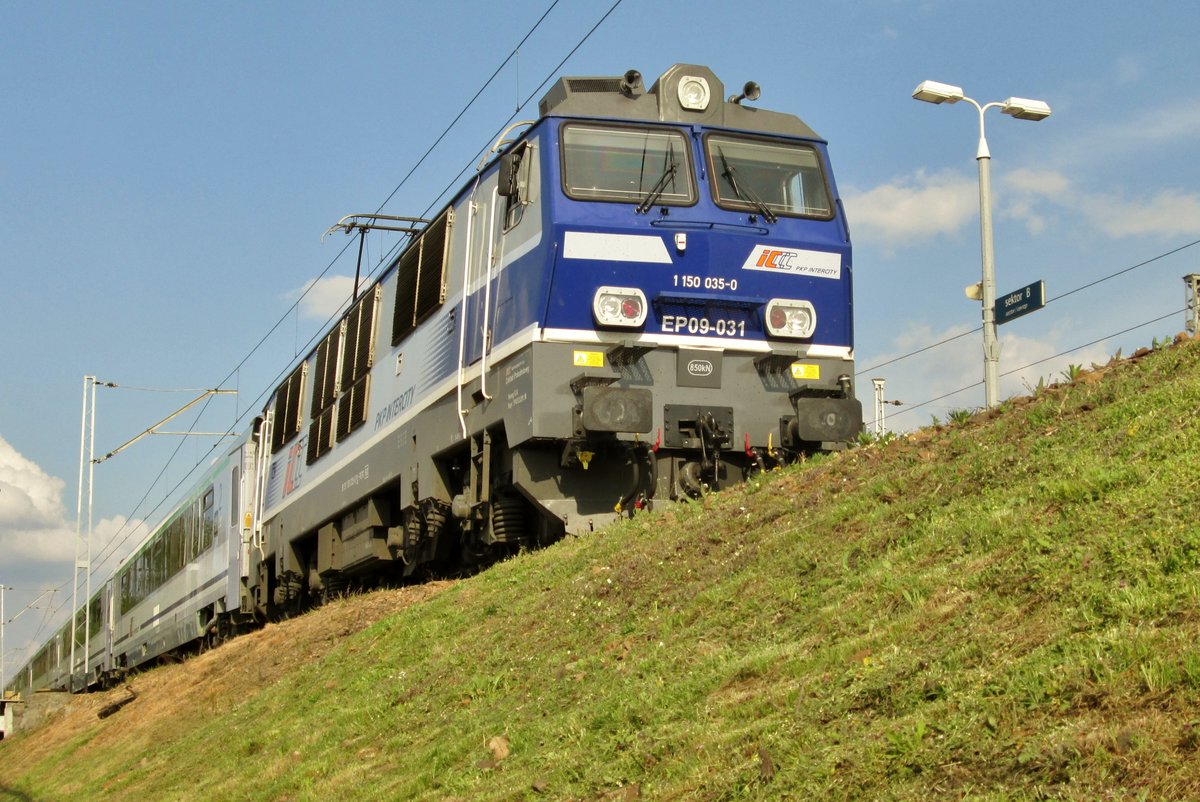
{"type": "Point", "coordinates": [1021, 109]}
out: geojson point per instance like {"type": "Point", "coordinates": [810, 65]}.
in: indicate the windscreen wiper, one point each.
{"type": "Point", "coordinates": [667, 177]}
{"type": "Point", "coordinates": [746, 194]}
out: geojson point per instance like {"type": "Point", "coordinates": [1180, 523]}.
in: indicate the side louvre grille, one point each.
{"type": "Point", "coordinates": [320, 435]}
{"type": "Point", "coordinates": [288, 415]}
{"type": "Point", "coordinates": [352, 411]}
{"type": "Point", "coordinates": [421, 277]}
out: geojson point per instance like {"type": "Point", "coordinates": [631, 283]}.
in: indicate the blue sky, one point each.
{"type": "Point", "coordinates": [167, 171]}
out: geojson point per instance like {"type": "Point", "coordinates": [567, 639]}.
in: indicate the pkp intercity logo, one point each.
{"type": "Point", "coordinates": [820, 264]}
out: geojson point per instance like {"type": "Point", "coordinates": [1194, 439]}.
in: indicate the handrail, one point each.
{"type": "Point", "coordinates": [487, 291]}
{"type": "Point", "coordinates": [501, 142]}
{"type": "Point", "coordinates": [462, 324]}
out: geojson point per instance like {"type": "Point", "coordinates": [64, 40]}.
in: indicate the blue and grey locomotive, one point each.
{"type": "Point", "coordinates": [644, 294]}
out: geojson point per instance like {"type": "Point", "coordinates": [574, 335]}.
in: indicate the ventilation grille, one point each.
{"type": "Point", "coordinates": [325, 381]}
{"type": "Point", "coordinates": [421, 277]}
{"type": "Point", "coordinates": [352, 411]}
{"type": "Point", "coordinates": [593, 84]}
{"type": "Point", "coordinates": [288, 416]}
{"type": "Point", "coordinates": [320, 435]}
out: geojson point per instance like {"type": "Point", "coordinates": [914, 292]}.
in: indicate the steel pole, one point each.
{"type": "Point", "coordinates": [2, 589]}
{"type": "Point", "coordinates": [879, 414]}
{"type": "Point", "coordinates": [87, 600]}
{"type": "Point", "coordinates": [991, 346]}
{"type": "Point", "coordinates": [87, 382]}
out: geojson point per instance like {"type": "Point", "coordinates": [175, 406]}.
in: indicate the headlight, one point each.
{"type": "Point", "coordinates": [796, 319]}
{"type": "Point", "coordinates": [693, 92]}
{"type": "Point", "coordinates": [619, 306]}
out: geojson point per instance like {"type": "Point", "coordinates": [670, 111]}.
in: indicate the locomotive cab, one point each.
{"type": "Point", "coordinates": [702, 280]}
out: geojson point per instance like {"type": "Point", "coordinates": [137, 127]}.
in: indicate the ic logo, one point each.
{"type": "Point", "coordinates": [700, 367]}
{"type": "Point", "coordinates": [775, 260]}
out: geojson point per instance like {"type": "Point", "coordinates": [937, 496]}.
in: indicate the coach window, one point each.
{"type": "Point", "coordinates": [95, 619]}
{"type": "Point", "coordinates": [649, 166]}
{"type": "Point", "coordinates": [235, 518]}
{"type": "Point", "coordinates": [768, 177]}
{"type": "Point", "coordinates": [207, 521]}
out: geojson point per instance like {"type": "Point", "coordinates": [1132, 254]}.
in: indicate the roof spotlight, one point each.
{"type": "Point", "coordinates": [750, 91]}
{"type": "Point", "coordinates": [693, 92]}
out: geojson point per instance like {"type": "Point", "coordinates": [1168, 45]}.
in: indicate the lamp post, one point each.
{"type": "Point", "coordinates": [1021, 109]}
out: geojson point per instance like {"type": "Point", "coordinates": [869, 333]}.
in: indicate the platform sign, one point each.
{"type": "Point", "coordinates": [1028, 299]}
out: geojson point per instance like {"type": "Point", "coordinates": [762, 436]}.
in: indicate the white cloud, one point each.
{"type": "Point", "coordinates": [1166, 124]}
{"type": "Point", "coordinates": [1038, 360]}
{"type": "Point", "coordinates": [1167, 212]}
{"type": "Point", "coordinates": [37, 552]}
{"type": "Point", "coordinates": [1107, 145]}
{"type": "Point", "coordinates": [914, 208]}
{"type": "Point", "coordinates": [1043, 183]}
{"type": "Point", "coordinates": [33, 524]}
{"type": "Point", "coordinates": [322, 299]}
{"type": "Point", "coordinates": [34, 527]}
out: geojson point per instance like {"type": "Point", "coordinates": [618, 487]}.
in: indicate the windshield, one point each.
{"type": "Point", "coordinates": [630, 165]}
{"type": "Point", "coordinates": [769, 177]}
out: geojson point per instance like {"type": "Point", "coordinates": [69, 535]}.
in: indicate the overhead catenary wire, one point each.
{"type": "Point", "coordinates": [296, 304]}
{"type": "Point", "coordinates": [117, 541]}
{"type": "Point", "coordinates": [114, 544]}
{"type": "Point", "coordinates": [438, 199]}
{"type": "Point", "coordinates": [1049, 301]}
{"type": "Point", "coordinates": [914, 407]}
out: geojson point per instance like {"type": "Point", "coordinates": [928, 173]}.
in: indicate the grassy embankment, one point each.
{"type": "Point", "coordinates": [1004, 608]}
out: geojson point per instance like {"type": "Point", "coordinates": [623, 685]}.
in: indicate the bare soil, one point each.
{"type": "Point", "coordinates": [209, 683]}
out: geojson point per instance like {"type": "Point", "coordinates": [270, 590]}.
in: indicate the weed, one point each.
{"type": "Point", "coordinates": [1036, 389]}
{"type": "Point", "coordinates": [904, 746]}
{"type": "Point", "coordinates": [960, 416]}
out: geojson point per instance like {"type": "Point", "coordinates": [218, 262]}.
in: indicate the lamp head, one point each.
{"type": "Point", "coordinates": [934, 92]}
{"type": "Point", "coordinates": [1023, 108]}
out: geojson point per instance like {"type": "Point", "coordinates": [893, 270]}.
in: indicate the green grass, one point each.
{"type": "Point", "coordinates": [1003, 608]}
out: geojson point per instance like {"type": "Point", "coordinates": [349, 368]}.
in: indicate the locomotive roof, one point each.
{"type": "Point", "coordinates": [625, 97]}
